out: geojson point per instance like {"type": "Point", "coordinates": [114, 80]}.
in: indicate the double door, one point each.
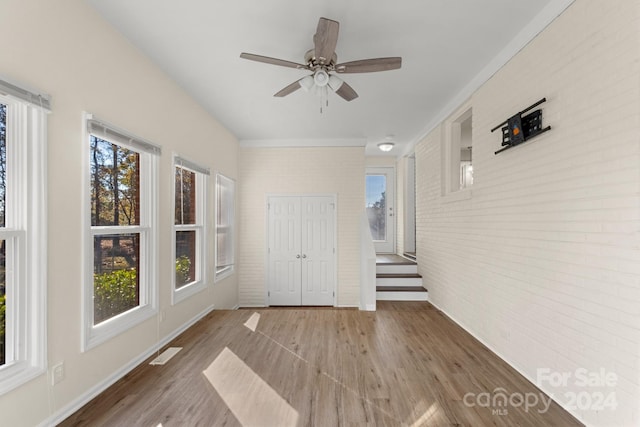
{"type": "Point", "coordinates": [301, 253]}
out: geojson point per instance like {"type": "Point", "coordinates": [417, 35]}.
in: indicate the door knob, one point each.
{"type": "Point", "coordinates": [304, 256]}
{"type": "Point", "coordinates": [298, 256]}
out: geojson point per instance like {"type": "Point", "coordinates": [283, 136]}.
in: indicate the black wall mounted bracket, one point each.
{"type": "Point", "coordinates": [521, 128]}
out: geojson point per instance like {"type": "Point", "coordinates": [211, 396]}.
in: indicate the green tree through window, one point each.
{"type": "Point", "coordinates": [115, 202]}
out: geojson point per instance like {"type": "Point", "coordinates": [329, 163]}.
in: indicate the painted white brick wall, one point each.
{"type": "Point", "coordinates": [542, 262]}
{"type": "Point", "coordinates": [266, 171]}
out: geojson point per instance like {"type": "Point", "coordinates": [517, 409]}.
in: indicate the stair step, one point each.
{"type": "Point", "coordinates": [400, 289]}
{"type": "Point", "coordinates": [398, 280]}
{"type": "Point", "coordinates": [404, 293]}
{"type": "Point", "coordinates": [396, 268]}
{"type": "Point", "coordinates": [397, 275]}
{"type": "Point", "coordinates": [392, 259]}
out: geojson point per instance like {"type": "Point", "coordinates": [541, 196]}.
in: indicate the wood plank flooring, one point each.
{"type": "Point", "coordinates": [406, 364]}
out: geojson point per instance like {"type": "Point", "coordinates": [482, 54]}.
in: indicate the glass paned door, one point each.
{"type": "Point", "coordinates": [379, 201]}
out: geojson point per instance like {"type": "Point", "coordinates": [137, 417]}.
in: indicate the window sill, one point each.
{"type": "Point", "coordinates": [187, 291]}
{"type": "Point", "coordinates": [224, 273]}
{"type": "Point", "coordinates": [14, 375]}
{"type": "Point", "coordinates": [457, 196]}
{"type": "Point", "coordinates": [98, 334]}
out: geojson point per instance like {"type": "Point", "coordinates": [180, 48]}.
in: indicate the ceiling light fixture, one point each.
{"type": "Point", "coordinates": [387, 145]}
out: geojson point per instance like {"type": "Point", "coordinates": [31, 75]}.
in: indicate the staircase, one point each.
{"type": "Point", "coordinates": [397, 279]}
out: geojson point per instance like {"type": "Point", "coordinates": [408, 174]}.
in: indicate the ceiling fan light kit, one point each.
{"type": "Point", "coordinates": [322, 61]}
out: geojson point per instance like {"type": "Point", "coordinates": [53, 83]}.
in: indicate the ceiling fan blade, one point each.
{"type": "Point", "coordinates": [370, 65]}
{"type": "Point", "coordinates": [273, 61]}
{"type": "Point", "coordinates": [325, 40]}
{"type": "Point", "coordinates": [289, 89]}
{"type": "Point", "coordinates": [346, 92]}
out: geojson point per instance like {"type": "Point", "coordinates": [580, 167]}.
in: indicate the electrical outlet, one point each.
{"type": "Point", "coordinates": [57, 373]}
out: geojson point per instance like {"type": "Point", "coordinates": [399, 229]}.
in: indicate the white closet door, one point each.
{"type": "Point", "coordinates": [318, 247]}
{"type": "Point", "coordinates": [284, 251]}
{"type": "Point", "coordinates": [301, 250]}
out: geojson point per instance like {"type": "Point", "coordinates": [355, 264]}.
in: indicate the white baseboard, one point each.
{"type": "Point", "coordinates": [368, 307]}
{"type": "Point", "coordinates": [66, 411]}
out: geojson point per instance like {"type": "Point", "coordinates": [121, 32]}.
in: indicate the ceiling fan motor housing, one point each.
{"type": "Point", "coordinates": [313, 62]}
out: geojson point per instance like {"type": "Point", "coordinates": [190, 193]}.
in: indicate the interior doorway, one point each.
{"type": "Point", "coordinates": [410, 206]}
{"type": "Point", "coordinates": [380, 206]}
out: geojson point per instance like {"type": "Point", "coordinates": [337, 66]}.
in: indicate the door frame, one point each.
{"type": "Point", "coordinates": [334, 197]}
{"type": "Point", "coordinates": [410, 204]}
{"type": "Point", "coordinates": [390, 173]}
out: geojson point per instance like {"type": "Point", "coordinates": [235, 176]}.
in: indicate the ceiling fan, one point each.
{"type": "Point", "coordinates": [322, 62]}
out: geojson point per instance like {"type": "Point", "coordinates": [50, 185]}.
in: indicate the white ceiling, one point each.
{"type": "Point", "coordinates": [448, 48]}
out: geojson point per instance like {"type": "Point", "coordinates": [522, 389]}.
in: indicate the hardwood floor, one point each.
{"type": "Point", "coordinates": [406, 364]}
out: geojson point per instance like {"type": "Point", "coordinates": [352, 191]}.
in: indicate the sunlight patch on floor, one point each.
{"type": "Point", "coordinates": [251, 400]}
{"type": "Point", "coordinates": [252, 323]}
{"type": "Point", "coordinates": [424, 419]}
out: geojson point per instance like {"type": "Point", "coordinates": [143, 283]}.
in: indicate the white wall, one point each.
{"type": "Point", "coordinates": [63, 48]}
{"type": "Point", "coordinates": [266, 171]}
{"type": "Point", "coordinates": [542, 262]}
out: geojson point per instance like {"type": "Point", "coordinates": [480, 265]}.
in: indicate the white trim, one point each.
{"type": "Point", "coordinates": [268, 196]}
{"type": "Point", "coordinates": [25, 95]}
{"type": "Point", "coordinates": [450, 152]}
{"type": "Point", "coordinates": [94, 335]}
{"type": "Point", "coordinates": [188, 164]}
{"type": "Point", "coordinates": [26, 227]}
{"type": "Point", "coordinates": [524, 37]}
{"type": "Point", "coordinates": [390, 174]}
{"type": "Point", "coordinates": [118, 136]}
{"type": "Point", "coordinates": [402, 296]}
{"type": "Point", "coordinates": [274, 143]}
{"type": "Point", "coordinates": [69, 409]}
{"type": "Point", "coordinates": [226, 270]}
{"type": "Point", "coordinates": [200, 227]}
{"type": "Point", "coordinates": [409, 219]}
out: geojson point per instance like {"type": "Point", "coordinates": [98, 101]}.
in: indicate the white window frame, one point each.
{"type": "Point", "coordinates": [451, 165]}
{"type": "Point", "coordinates": [200, 227]}
{"type": "Point", "coordinates": [25, 232]}
{"type": "Point", "coordinates": [225, 271]}
{"type": "Point", "coordinates": [94, 335]}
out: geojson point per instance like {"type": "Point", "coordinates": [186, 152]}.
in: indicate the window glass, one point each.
{"type": "Point", "coordinates": [376, 188]}
{"type": "Point", "coordinates": [115, 184]}
{"type": "Point", "coordinates": [115, 202]}
{"type": "Point", "coordinates": [189, 228]}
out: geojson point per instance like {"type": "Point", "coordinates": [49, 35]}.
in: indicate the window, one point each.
{"type": "Point", "coordinates": [189, 228]}
{"type": "Point", "coordinates": [225, 208]}
{"type": "Point", "coordinates": [466, 158]}
{"type": "Point", "coordinates": [457, 152]}
{"type": "Point", "coordinates": [22, 235]}
{"type": "Point", "coordinates": [119, 291]}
